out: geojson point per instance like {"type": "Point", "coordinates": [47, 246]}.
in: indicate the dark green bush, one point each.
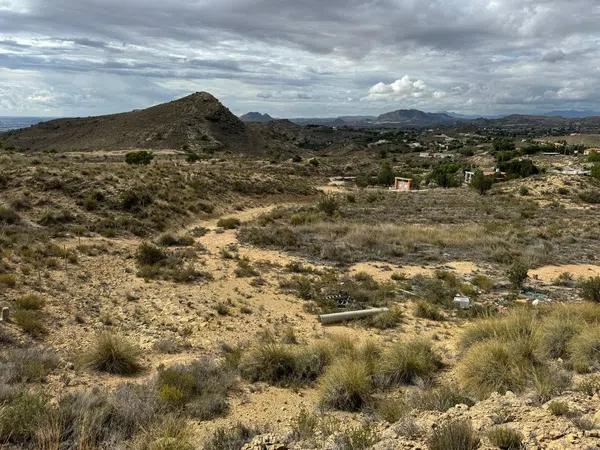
{"type": "Point", "coordinates": [141, 157]}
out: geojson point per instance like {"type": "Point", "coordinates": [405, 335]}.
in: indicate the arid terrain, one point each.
{"type": "Point", "coordinates": [167, 295]}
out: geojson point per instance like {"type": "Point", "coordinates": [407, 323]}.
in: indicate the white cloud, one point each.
{"type": "Point", "coordinates": [403, 88]}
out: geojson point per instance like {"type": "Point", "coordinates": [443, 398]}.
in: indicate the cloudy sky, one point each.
{"type": "Point", "coordinates": [300, 57]}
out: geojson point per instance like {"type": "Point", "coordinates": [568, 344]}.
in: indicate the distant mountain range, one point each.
{"type": "Point", "coordinates": [14, 123]}
{"type": "Point", "coordinates": [199, 122]}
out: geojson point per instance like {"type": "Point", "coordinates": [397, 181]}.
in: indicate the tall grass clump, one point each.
{"type": "Point", "coordinates": [455, 435]}
{"type": "Point", "coordinates": [113, 354]}
{"type": "Point", "coordinates": [505, 438]}
{"type": "Point", "coordinates": [346, 385]}
{"type": "Point", "coordinates": [406, 361]}
{"type": "Point", "coordinates": [584, 350]}
{"type": "Point", "coordinates": [284, 364]}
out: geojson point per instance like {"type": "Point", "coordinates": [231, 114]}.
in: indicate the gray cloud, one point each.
{"type": "Point", "coordinates": [304, 58]}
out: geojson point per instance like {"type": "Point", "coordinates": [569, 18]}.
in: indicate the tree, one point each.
{"type": "Point", "coordinates": [503, 145]}
{"type": "Point", "coordinates": [481, 183]}
{"type": "Point", "coordinates": [386, 174]}
{"type": "Point", "coordinates": [444, 175]}
{"type": "Point", "coordinates": [141, 157]}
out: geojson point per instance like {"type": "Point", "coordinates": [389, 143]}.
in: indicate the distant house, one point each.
{"type": "Point", "coordinates": [496, 173]}
{"type": "Point", "coordinates": [402, 184]}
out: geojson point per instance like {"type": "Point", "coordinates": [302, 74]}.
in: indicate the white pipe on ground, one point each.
{"type": "Point", "coordinates": [350, 315]}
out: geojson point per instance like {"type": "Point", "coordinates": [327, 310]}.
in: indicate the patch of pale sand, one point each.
{"type": "Point", "coordinates": [333, 189]}
{"type": "Point", "coordinates": [244, 216]}
{"type": "Point", "coordinates": [548, 274]}
{"type": "Point", "coordinates": [383, 271]}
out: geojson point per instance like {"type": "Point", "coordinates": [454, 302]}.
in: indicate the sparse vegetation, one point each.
{"type": "Point", "coordinates": [505, 438]}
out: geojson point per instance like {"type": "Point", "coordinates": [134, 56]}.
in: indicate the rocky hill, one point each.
{"type": "Point", "coordinates": [256, 117]}
{"type": "Point", "coordinates": [195, 122]}
{"type": "Point", "coordinates": [416, 118]}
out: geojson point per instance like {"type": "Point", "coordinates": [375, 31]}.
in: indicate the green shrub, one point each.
{"type": "Point", "coordinates": [8, 216]}
{"type": "Point", "coordinates": [517, 274]}
{"type": "Point", "coordinates": [8, 280]}
{"type": "Point", "coordinates": [590, 289]}
{"type": "Point", "coordinates": [141, 157]}
{"type": "Point", "coordinates": [328, 204]}
{"type": "Point", "coordinates": [484, 283]}
{"type": "Point", "coordinates": [113, 354]}
{"type": "Point", "coordinates": [229, 223]}
{"type": "Point", "coordinates": [591, 196]}
{"type": "Point", "coordinates": [244, 269]}
{"type": "Point", "coordinates": [406, 361]}
{"type": "Point", "coordinates": [148, 254]}
{"type": "Point", "coordinates": [230, 438]}
{"type": "Point", "coordinates": [30, 302]}
{"type": "Point", "coordinates": [170, 240]}
{"type": "Point", "coordinates": [20, 417]}
{"type": "Point", "coordinates": [482, 183]}
{"type": "Point", "coordinates": [30, 322]}
{"type": "Point", "coordinates": [385, 320]}
{"type": "Point", "coordinates": [346, 385]}
{"type": "Point", "coordinates": [454, 435]}
{"type": "Point", "coordinates": [558, 408]}
{"type": "Point", "coordinates": [584, 350]}
{"type": "Point", "coordinates": [505, 438]}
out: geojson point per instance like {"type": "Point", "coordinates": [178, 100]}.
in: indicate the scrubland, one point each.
{"type": "Point", "coordinates": [174, 306]}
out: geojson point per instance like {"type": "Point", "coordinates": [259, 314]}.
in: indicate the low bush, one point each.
{"type": "Point", "coordinates": [244, 269]}
{"type": "Point", "coordinates": [229, 223]}
{"type": "Point", "coordinates": [517, 274]}
{"type": "Point", "coordinates": [558, 408]}
{"type": "Point", "coordinates": [328, 204]}
{"type": "Point", "coordinates": [406, 361]}
{"type": "Point", "coordinates": [305, 425]}
{"type": "Point", "coordinates": [20, 417]}
{"type": "Point", "coordinates": [148, 254]}
{"type": "Point", "coordinates": [440, 398]}
{"type": "Point", "coordinates": [357, 438]}
{"type": "Point", "coordinates": [426, 310]}
{"type": "Point", "coordinates": [8, 280]}
{"type": "Point", "coordinates": [590, 289]}
{"type": "Point", "coordinates": [591, 196]}
{"type": "Point", "coordinates": [346, 385]}
{"type": "Point", "coordinates": [30, 302]}
{"type": "Point", "coordinates": [385, 320]}
{"type": "Point", "coordinates": [455, 435]}
{"type": "Point", "coordinates": [171, 240]}
{"type": "Point", "coordinates": [199, 388]}
{"type": "Point", "coordinates": [113, 354]}
{"type": "Point", "coordinates": [505, 438]}
{"type": "Point", "coordinates": [283, 364]}
{"type": "Point", "coordinates": [230, 438]}
{"type": "Point", "coordinates": [141, 157]}
{"type": "Point", "coordinates": [27, 365]}
{"type": "Point", "coordinates": [8, 216]}
{"type": "Point", "coordinates": [30, 322]}
{"type": "Point", "coordinates": [169, 433]}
